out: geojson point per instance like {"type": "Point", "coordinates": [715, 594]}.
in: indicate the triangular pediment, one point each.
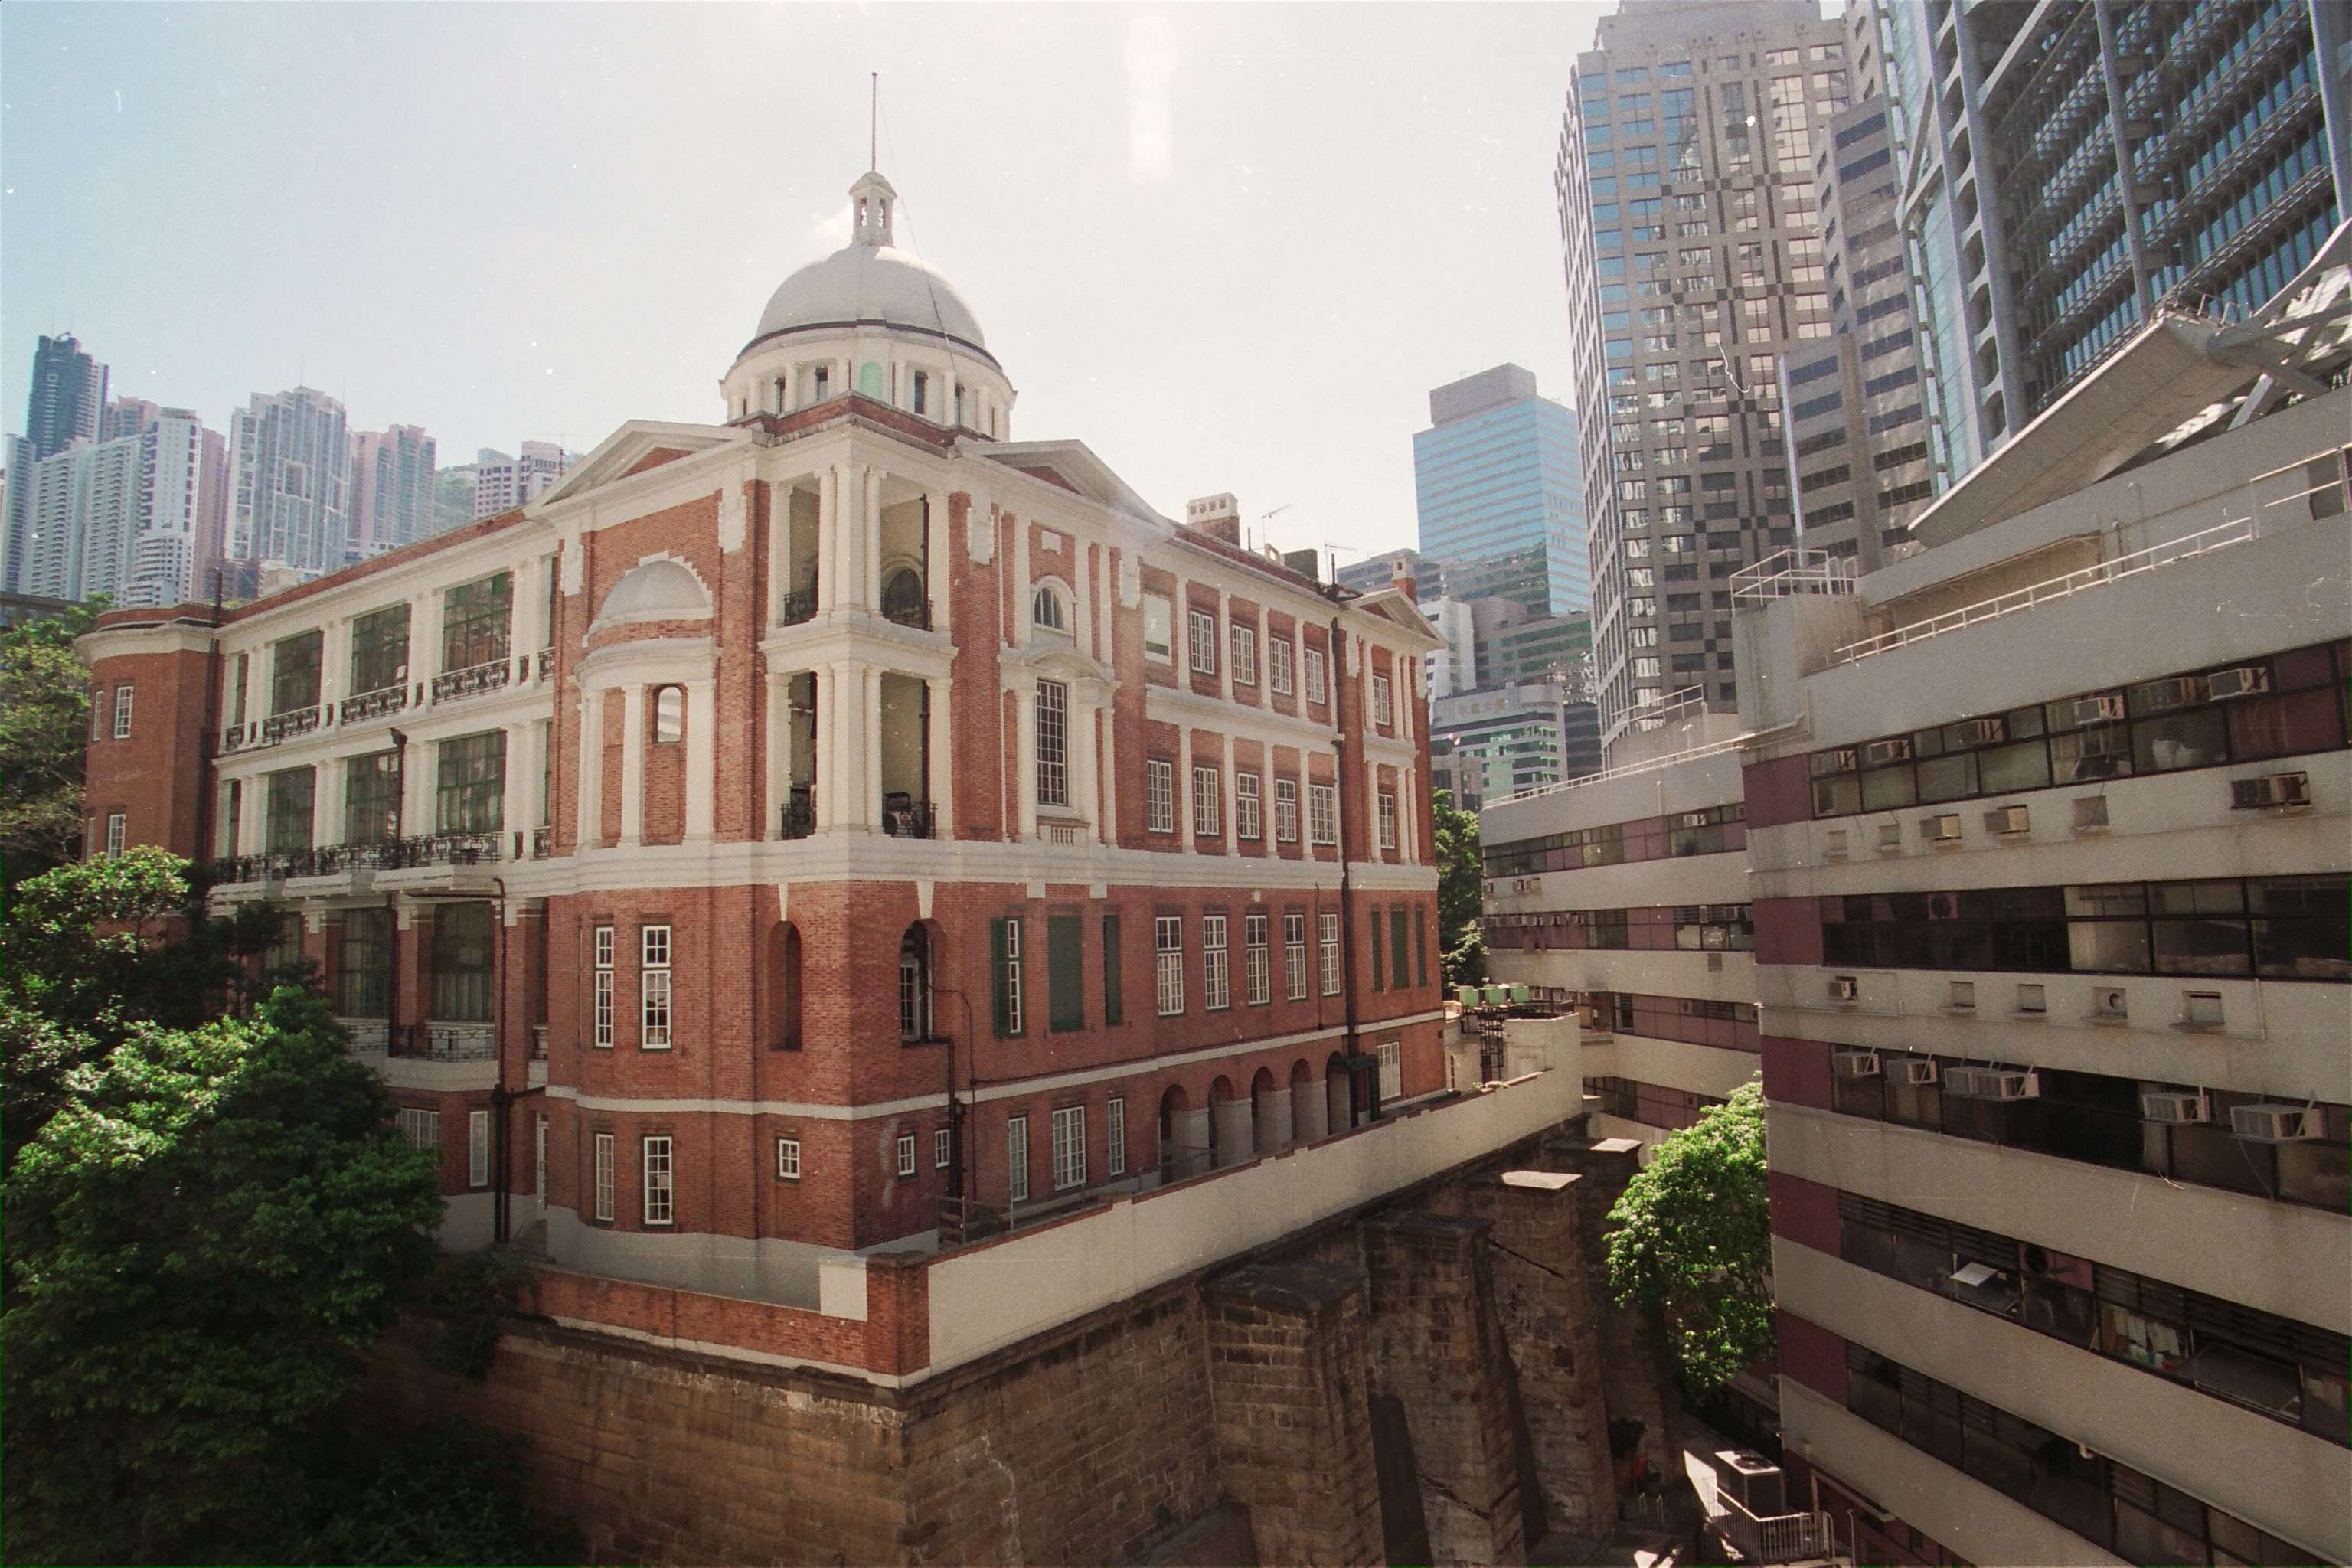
{"type": "Point", "coordinates": [635, 448]}
{"type": "Point", "coordinates": [1070, 466]}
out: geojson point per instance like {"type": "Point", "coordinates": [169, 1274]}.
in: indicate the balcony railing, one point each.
{"type": "Point", "coordinates": [298, 722]}
{"type": "Point", "coordinates": [1788, 572]}
{"type": "Point", "coordinates": [915, 613]}
{"type": "Point", "coordinates": [1061, 830]}
{"type": "Point", "coordinates": [445, 1043]}
{"type": "Point", "coordinates": [385, 855]}
{"type": "Point", "coordinates": [963, 1220]}
{"type": "Point", "coordinates": [368, 1036]}
{"type": "Point", "coordinates": [799, 816]}
{"type": "Point", "coordinates": [798, 606]}
{"type": "Point", "coordinates": [542, 843]}
{"type": "Point", "coordinates": [233, 739]}
{"type": "Point", "coordinates": [544, 662]}
{"type": "Point", "coordinates": [376, 704]}
{"type": "Point", "coordinates": [472, 680]}
{"type": "Point", "coordinates": [903, 818]}
{"type": "Point", "coordinates": [538, 1042]}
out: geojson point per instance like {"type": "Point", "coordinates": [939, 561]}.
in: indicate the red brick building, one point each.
{"type": "Point", "coordinates": [786, 836]}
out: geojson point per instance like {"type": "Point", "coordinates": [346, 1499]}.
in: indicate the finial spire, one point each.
{"type": "Point", "coordinates": [874, 121]}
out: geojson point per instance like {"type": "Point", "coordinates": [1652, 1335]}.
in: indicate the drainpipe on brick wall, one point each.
{"type": "Point", "coordinates": [1339, 664]}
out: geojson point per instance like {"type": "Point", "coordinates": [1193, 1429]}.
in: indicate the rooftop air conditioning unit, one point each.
{"type": "Point", "coordinates": [2227, 683]}
{"type": "Point", "coordinates": [2269, 1123]}
{"type": "Point", "coordinates": [1854, 1064]}
{"type": "Point", "coordinates": [1943, 828]}
{"type": "Point", "coordinates": [1976, 732]}
{"type": "Point", "coordinates": [2008, 820]}
{"type": "Point", "coordinates": [2098, 710]}
{"type": "Point", "coordinates": [1960, 1082]}
{"type": "Point", "coordinates": [1879, 754]}
{"type": "Point", "coordinates": [1844, 988]}
{"type": "Point", "coordinates": [2008, 1083]}
{"type": "Point", "coordinates": [2271, 791]}
{"type": "Point", "coordinates": [2110, 1002]}
{"type": "Point", "coordinates": [2174, 1108]}
{"type": "Point", "coordinates": [1916, 1072]}
{"type": "Point", "coordinates": [2177, 692]}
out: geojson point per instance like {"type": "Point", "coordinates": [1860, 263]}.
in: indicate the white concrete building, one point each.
{"type": "Point", "coordinates": [502, 483]}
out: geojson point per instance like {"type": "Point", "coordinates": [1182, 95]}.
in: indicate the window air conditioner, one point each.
{"type": "Point", "coordinates": [1833, 843]}
{"type": "Point", "coordinates": [1890, 835]}
{"type": "Point", "coordinates": [1878, 753]}
{"type": "Point", "coordinates": [1942, 828]}
{"type": "Point", "coordinates": [2110, 1002]}
{"type": "Point", "coordinates": [2269, 1123]}
{"type": "Point", "coordinates": [2175, 1108]}
{"type": "Point", "coordinates": [2008, 1084]}
{"type": "Point", "coordinates": [1916, 1072]}
{"type": "Point", "coordinates": [1844, 988]}
{"type": "Point", "coordinates": [1854, 1064]}
{"type": "Point", "coordinates": [2246, 682]}
{"type": "Point", "coordinates": [2090, 812]}
{"type": "Point", "coordinates": [2008, 819]}
{"type": "Point", "coordinates": [2269, 791]}
{"type": "Point", "coordinates": [1960, 1082]}
{"type": "Point", "coordinates": [2098, 710]}
{"type": "Point", "coordinates": [2177, 692]}
{"type": "Point", "coordinates": [1976, 732]}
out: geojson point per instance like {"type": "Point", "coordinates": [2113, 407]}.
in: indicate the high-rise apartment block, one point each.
{"type": "Point", "coordinates": [501, 482]}
{"type": "Point", "coordinates": [392, 491]}
{"type": "Point", "coordinates": [2067, 169]}
{"type": "Point", "coordinates": [67, 398]}
{"type": "Point", "coordinates": [1690, 237]}
{"type": "Point", "coordinates": [291, 495]}
{"type": "Point", "coordinates": [1496, 475]}
{"type": "Point", "coordinates": [137, 516]}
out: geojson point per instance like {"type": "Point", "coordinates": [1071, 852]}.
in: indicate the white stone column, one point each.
{"type": "Point", "coordinates": [943, 759]}
{"type": "Point", "coordinates": [1024, 742]}
{"type": "Point", "coordinates": [592, 766]}
{"type": "Point", "coordinates": [515, 804]}
{"type": "Point", "coordinates": [869, 555]}
{"type": "Point", "coordinates": [419, 772]}
{"type": "Point", "coordinates": [870, 720]}
{"type": "Point", "coordinates": [1225, 647]}
{"type": "Point", "coordinates": [1190, 1128]}
{"type": "Point", "coordinates": [1017, 631]}
{"type": "Point", "coordinates": [1107, 818]}
{"type": "Point", "coordinates": [335, 667]}
{"type": "Point", "coordinates": [936, 571]}
{"type": "Point", "coordinates": [780, 555]}
{"type": "Point", "coordinates": [1084, 792]}
{"type": "Point", "coordinates": [424, 640]}
{"type": "Point", "coordinates": [252, 825]}
{"type": "Point", "coordinates": [828, 537]}
{"type": "Point", "coordinates": [701, 758]}
{"type": "Point", "coordinates": [1184, 786]}
{"type": "Point", "coordinates": [777, 772]}
{"type": "Point", "coordinates": [633, 765]}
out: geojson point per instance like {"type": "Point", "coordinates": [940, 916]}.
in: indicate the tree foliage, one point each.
{"type": "Point", "coordinates": [1691, 1239]}
{"type": "Point", "coordinates": [44, 725]}
{"type": "Point", "coordinates": [1460, 888]}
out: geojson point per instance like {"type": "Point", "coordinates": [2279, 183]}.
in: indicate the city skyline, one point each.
{"type": "Point", "coordinates": [1270, 131]}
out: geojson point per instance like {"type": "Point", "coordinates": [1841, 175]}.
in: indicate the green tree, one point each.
{"type": "Point", "coordinates": [1693, 1241]}
{"type": "Point", "coordinates": [1460, 888]}
{"type": "Point", "coordinates": [207, 1224]}
{"type": "Point", "coordinates": [44, 725]}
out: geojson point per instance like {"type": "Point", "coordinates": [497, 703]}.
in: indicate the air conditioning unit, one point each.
{"type": "Point", "coordinates": [1976, 732]}
{"type": "Point", "coordinates": [1879, 754]}
{"type": "Point", "coordinates": [1915, 1072]}
{"type": "Point", "coordinates": [1844, 988]}
{"type": "Point", "coordinates": [2090, 812]}
{"type": "Point", "coordinates": [1943, 828]}
{"type": "Point", "coordinates": [2269, 1123]}
{"type": "Point", "coordinates": [1834, 842]}
{"type": "Point", "coordinates": [2177, 692]}
{"type": "Point", "coordinates": [2175, 1108]}
{"type": "Point", "coordinates": [1854, 1064]}
{"type": "Point", "coordinates": [2110, 1002]}
{"type": "Point", "coordinates": [2004, 1083]}
{"type": "Point", "coordinates": [2271, 791]}
{"type": "Point", "coordinates": [1890, 835]}
{"type": "Point", "coordinates": [2246, 682]}
{"type": "Point", "coordinates": [2099, 709]}
{"type": "Point", "coordinates": [1960, 1082]}
{"type": "Point", "coordinates": [2006, 820]}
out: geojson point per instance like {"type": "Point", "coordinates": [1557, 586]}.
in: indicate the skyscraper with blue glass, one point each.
{"type": "Point", "coordinates": [1498, 476]}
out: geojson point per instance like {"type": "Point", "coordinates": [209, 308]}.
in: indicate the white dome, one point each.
{"type": "Point", "coordinates": [870, 283]}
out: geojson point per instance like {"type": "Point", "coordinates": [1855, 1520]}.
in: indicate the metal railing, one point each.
{"type": "Point", "coordinates": [445, 1043]}
{"type": "Point", "coordinates": [963, 1220]}
{"type": "Point", "coordinates": [335, 859]}
{"type": "Point", "coordinates": [542, 843]}
{"type": "Point", "coordinates": [915, 613]}
{"type": "Point", "coordinates": [298, 722]}
{"type": "Point", "coordinates": [368, 1036]}
{"type": "Point", "coordinates": [907, 819]}
{"type": "Point", "coordinates": [2220, 536]}
{"type": "Point", "coordinates": [1673, 760]}
{"type": "Point", "coordinates": [1788, 572]}
{"type": "Point", "coordinates": [1062, 832]}
{"type": "Point", "coordinates": [472, 680]}
{"type": "Point", "coordinates": [798, 605]}
{"type": "Point", "coordinates": [798, 817]}
{"type": "Point", "coordinates": [544, 662]}
{"type": "Point", "coordinates": [233, 739]}
{"type": "Point", "coordinates": [374, 704]}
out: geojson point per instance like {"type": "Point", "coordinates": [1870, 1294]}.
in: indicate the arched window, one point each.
{"type": "Point", "coordinates": [785, 986]}
{"type": "Point", "coordinates": [869, 379]}
{"type": "Point", "coordinates": [903, 600]}
{"type": "Point", "coordinates": [915, 983]}
{"type": "Point", "coordinates": [669, 715]}
{"type": "Point", "coordinates": [1045, 609]}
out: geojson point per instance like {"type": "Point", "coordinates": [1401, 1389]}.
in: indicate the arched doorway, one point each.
{"type": "Point", "coordinates": [1308, 1114]}
{"type": "Point", "coordinates": [1230, 1139]}
{"type": "Point", "coordinates": [1339, 1094]}
{"type": "Point", "coordinates": [1183, 1135]}
{"type": "Point", "coordinates": [1269, 1112]}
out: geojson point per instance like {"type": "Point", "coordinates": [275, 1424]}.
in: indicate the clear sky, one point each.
{"type": "Point", "coordinates": [1229, 247]}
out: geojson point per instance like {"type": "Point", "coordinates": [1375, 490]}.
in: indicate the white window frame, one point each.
{"type": "Point", "coordinates": [478, 1148]}
{"type": "Point", "coordinates": [1392, 1058]}
{"type": "Point", "coordinates": [1294, 956]}
{"type": "Point", "coordinates": [602, 1024]}
{"type": "Point", "coordinates": [1016, 1022]}
{"type": "Point", "coordinates": [1278, 665]}
{"type": "Point", "coordinates": [1249, 817]}
{"type": "Point", "coordinates": [1216, 973]}
{"type": "Point", "coordinates": [653, 1011]}
{"type": "Point", "coordinates": [422, 1128]}
{"type": "Point", "coordinates": [943, 1148]}
{"type": "Point", "coordinates": [1327, 928]}
{"type": "Point", "coordinates": [1055, 618]}
{"type": "Point", "coordinates": [1159, 795]}
{"type": "Point", "coordinates": [1323, 812]}
{"type": "Point", "coordinates": [1053, 743]}
{"type": "Point", "coordinates": [1208, 797]}
{"type": "Point", "coordinates": [1068, 1129]}
{"type": "Point", "coordinates": [1318, 688]}
{"type": "Point", "coordinates": [116, 831]}
{"type": "Point", "coordinates": [657, 1165]}
{"type": "Point", "coordinates": [1201, 638]}
{"type": "Point", "coordinates": [1286, 811]}
{"type": "Point", "coordinates": [1168, 964]}
{"type": "Point", "coordinates": [122, 713]}
{"type": "Point", "coordinates": [1257, 967]}
{"type": "Point", "coordinates": [1016, 1159]}
{"type": "Point", "coordinates": [1383, 712]}
{"type": "Point", "coordinates": [1243, 638]}
{"type": "Point", "coordinates": [1385, 801]}
{"type": "Point", "coordinates": [787, 1159]}
{"type": "Point", "coordinates": [905, 1153]}
{"type": "Point", "coordinates": [1160, 612]}
{"type": "Point", "coordinates": [1115, 1136]}
{"type": "Point", "coordinates": [603, 1177]}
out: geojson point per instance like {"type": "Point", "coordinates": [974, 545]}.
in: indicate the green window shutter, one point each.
{"type": "Point", "coordinates": [997, 966]}
{"type": "Point", "coordinates": [1111, 1013]}
{"type": "Point", "coordinates": [1396, 946]}
{"type": "Point", "coordinates": [1377, 984]}
{"type": "Point", "coordinates": [1065, 974]}
{"type": "Point", "coordinates": [1420, 945]}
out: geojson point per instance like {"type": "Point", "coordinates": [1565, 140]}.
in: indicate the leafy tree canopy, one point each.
{"type": "Point", "coordinates": [44, 724]}
{"type": "Point", "coordinates": [1692, 1240]}
{"type": "Point", "coordinates": [1460, 888]}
